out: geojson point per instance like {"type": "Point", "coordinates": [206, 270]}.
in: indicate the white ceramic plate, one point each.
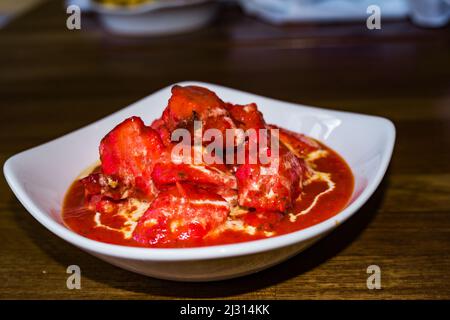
{"type": "Point", "coordinates": [41, 176]}
{"type": "Point", "coordinates": [157, 18]}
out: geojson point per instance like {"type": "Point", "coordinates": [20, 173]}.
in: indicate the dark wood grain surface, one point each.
{"type": "Point", "coordinates": [53, 81]}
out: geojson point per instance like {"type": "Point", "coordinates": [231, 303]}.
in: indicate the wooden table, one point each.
{"type": "Point", "coordinates": [53, 81]}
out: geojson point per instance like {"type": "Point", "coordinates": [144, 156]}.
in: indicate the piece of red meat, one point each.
{"type": "Point", "coordinates": [275, 191]}
{"type": "Point", "coordinates": [298, 143]}
{"type": "Point", "coordinates": [246, 116]}
{"type": "Point", "coordinates": [129, 153]}
{"type": "Point", "coordinates": [101, 184]}
{"type": "Point", "coordinates": [191, 103]}
{"type": "Point", "coordinates": [164, 133]}
{"type": "Point", "coordinates": [182, 212]}
{"type": "Point", "coordinates": [169, 173]}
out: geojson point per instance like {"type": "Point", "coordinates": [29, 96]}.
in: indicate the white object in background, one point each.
{"type": "Point", "coordinates": [85, 5]}
{"type": "Point", "coordinates": [289, 11]}
{"type": "Point", "coordinates": [430, 13]}
{"type": "Point", "coordinates": [154, 18]}
{"type": "Point", "coordinates": [41, 176]}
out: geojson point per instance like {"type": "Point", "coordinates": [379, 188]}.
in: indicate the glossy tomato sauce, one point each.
{"type": "Point", "coordinates": [327, 204]}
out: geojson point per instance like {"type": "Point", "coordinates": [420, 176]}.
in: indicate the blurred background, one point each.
{"type": "Point", "coordinates": [383, 57]}
{"type": "Point", "coordinates": [425, 13]}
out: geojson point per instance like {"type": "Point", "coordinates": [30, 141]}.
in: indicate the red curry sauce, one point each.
{"type": "Point", "coordinates": [81, 220]}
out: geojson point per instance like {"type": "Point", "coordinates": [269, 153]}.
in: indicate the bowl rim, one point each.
{"type": "Point", "coordinates": [208, 252]}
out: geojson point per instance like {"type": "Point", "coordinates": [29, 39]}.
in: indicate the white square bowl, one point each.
{"type": "Point", "coordinates": [41, 176]}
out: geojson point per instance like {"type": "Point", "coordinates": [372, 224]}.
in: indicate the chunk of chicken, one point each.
{"type": "Point", "coordinates": [193, 103]}
{"type": "Point", "coordinates": [182, 212]}
{"type": "Point", "coordinates": [105, 186]}
{"type": "Point", "coordinates": [270, 190]}
{"type": "Point", "coordinates": [297, 143]}
{"type": "Point", "coordinates": [169, 173]}
{"type": "Point", "coordinates": [129, 153]}
{"type": "Point", "coordinates": [246, 116]}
